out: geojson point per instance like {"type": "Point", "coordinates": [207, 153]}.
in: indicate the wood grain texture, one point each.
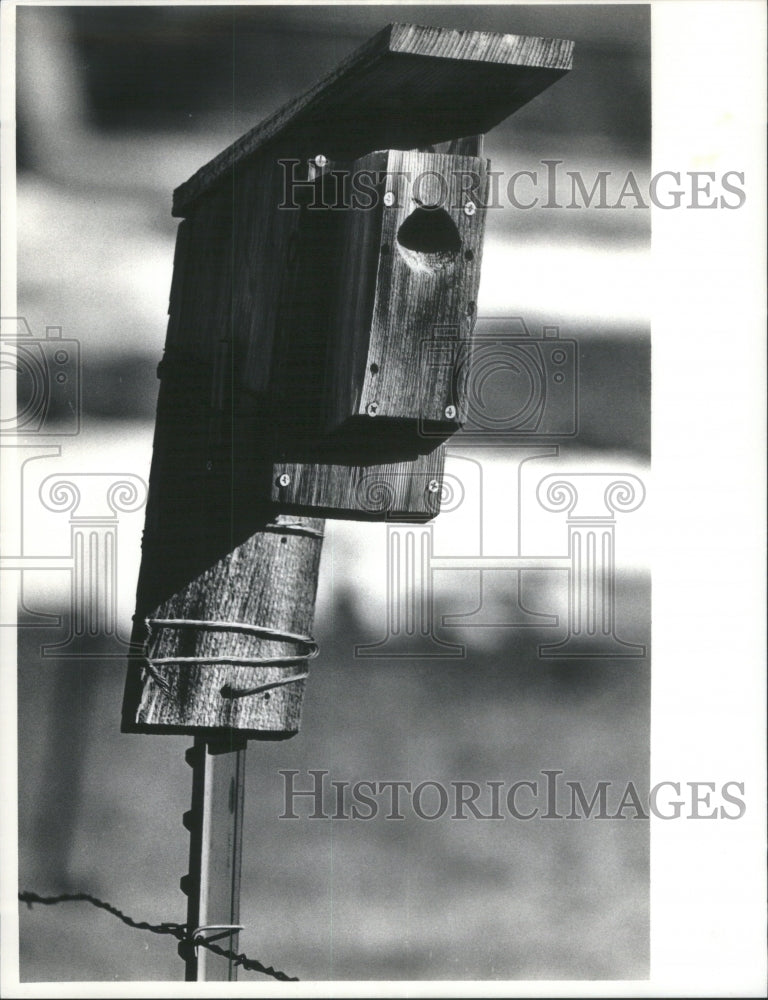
{"type": "Point", "coordinates": [285, 325]}
{"type": "Point", "coordinates": [408, 276]}
{"type": "Point", "coordinates": [395, 491]}
{"type": "Point", "coordinates": [271, 580]}
{"type": "Point", "coordinates": [383, 302]}
{"type": "Point", "coordinates": [415, 342]}
{"type": "Point", "coordinates": [208, 551]}
{"type": "Point", "coordinates": [406, 87]}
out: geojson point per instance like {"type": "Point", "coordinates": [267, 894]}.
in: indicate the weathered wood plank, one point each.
{"type": "Point", "coordinates": [426, 252]}
{"type": "Point", "coordinates": [407, 87]}
{"type": "Point", "coordinates": [178, 682]}
{"type": "Point", "coordinates": [394, 491]}
{"type": "Point", "coordinates": [210, 553]}
{"type": "Point", "coordinates": [379, 289]}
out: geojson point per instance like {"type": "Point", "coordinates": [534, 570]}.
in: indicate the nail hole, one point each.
{"type": "Point", "coordinates": [469, 255]}
{"type": "Point", "coordinates": [283, 540]}
{"type": "Point", "coordinates": [267, 696]}
{"type": "Point", "coordinates": [374, 369]}
{"type": "Point", "coordinates": [470, 307]}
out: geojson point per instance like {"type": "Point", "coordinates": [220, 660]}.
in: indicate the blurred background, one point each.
{"type": "Point", "coordinates": [116, 107]}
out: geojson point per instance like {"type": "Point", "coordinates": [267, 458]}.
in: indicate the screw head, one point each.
{"type": "Point", "coordinates": [209, 466]}
{"type": "Point", "coordinates": [450, 412]}
{"type": "Point", "coordinates": [372, 409]}
{"type": "Point", "coordinates": [433, 486]}
{"type": "Point", "coordinates": [389, 199]}
{"type": "Point", "coordinates": [470, 208]}
{"type": "Point", "coordinates": [320, 160]}
{"type": "Point", "coordinates": [284, 479]}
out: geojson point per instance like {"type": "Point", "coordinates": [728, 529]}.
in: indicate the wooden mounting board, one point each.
{"type": "Point", "coordinates": [407, 87]}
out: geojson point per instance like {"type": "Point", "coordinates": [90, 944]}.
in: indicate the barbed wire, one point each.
{"type": "Point", "coordinates": [179, 931]}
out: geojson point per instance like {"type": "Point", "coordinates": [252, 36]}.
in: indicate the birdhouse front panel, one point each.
{"type": "Point", "coordinates": [414, 260]}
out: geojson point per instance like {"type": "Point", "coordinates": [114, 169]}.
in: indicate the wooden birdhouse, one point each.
{"type": "Point", "coordinates": [323, 300]}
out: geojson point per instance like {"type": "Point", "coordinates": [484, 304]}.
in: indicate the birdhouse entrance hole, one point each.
{"type": "Point", "coordinates": [429, 240]}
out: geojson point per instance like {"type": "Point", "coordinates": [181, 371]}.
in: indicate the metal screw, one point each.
{"type": "Point", "coordinates": [433, 486]}
{"type": "Point", "coordinates": [389, 199]}
{"type": "Point", "coordinates": [470, 208]}
{"type": "Point", "coordinates": [284, 479]}
{"type": "Point", "coordinates": [320, 160]}
{"type": "Point", "coordinates": [209, 466]}
{"type": "Point", "coordinates": [372, 409]}
{"type": "Point", "coordinates": [450, 412]}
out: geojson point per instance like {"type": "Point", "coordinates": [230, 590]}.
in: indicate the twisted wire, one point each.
{"type": "Point", "coordinates": [178, 931]}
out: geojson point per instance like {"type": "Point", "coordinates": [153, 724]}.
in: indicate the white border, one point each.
{"type": "Point", "coordinates": [708, 879]}
{"type": "Point", "coordinates": [9, 868]}
{"type": "Point", "coordinates": [708, 718]}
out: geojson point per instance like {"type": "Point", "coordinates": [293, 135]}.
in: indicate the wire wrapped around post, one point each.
{"type": "Point", "coordinates": [228, 650]}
